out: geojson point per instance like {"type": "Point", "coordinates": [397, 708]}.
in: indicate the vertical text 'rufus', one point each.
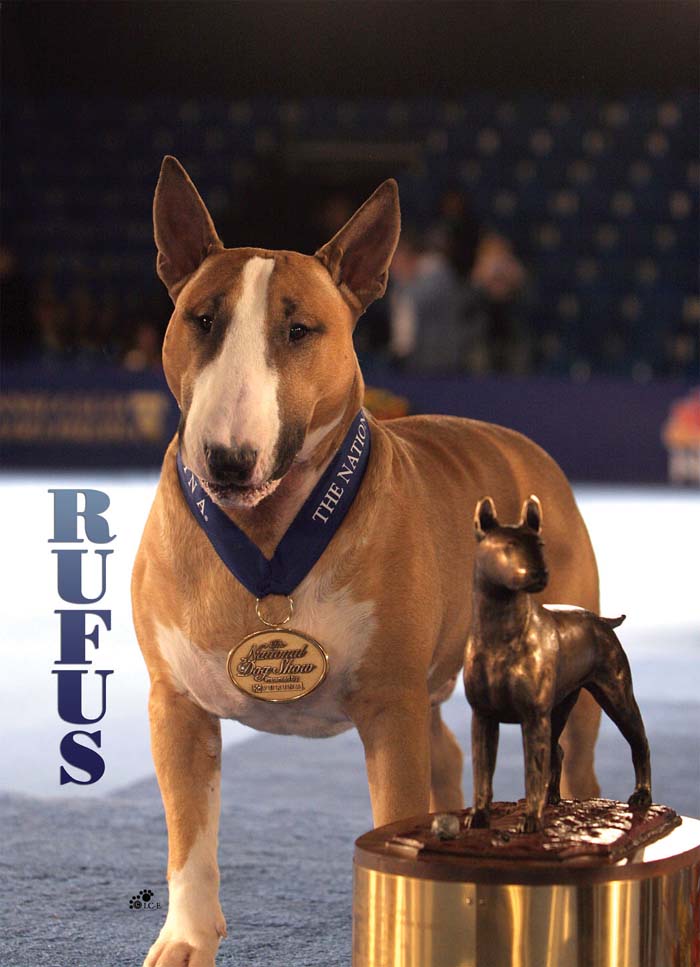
{"type": "Point", "coordinates": [78, 748]}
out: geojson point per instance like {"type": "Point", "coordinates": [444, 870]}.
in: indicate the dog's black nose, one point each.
{"type": "Point", "coordinates": [230, 465]}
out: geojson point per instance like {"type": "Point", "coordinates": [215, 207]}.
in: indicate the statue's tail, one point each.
{"type": "Point", "coordinates": [614, 622]}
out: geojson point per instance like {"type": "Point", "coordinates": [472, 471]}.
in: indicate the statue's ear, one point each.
{"type": "Point", "coordinates": [359, 255]}
{"type": "Point", "coordinates": [484, 518]}
{"type": "Point", "coordinates": [184, 231]}
{"type": "Point", "coordinates": [531, 514]}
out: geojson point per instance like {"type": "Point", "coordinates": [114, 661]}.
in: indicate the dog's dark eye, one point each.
{"type": "Point", "coordinates": [297, 332]}
{"type": "Point", "coordinates": [205, 323]}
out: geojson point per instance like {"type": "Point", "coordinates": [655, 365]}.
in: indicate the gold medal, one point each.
{"type": "Point", "coordinates": [278, 664]}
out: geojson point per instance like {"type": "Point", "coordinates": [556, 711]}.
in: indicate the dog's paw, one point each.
{"type": "Point", "coordinates": [479, 819]}
{"type": "Point", "coordinates": [178, 953]}
{"type": "Point", "coordinates": [640, 798]}
{"type": "Point", "coordinates": [182, 953]}
{"type": "Point", "coordinates": [195, 949]}
{"type": "Point", "coordinates": [530, 824]}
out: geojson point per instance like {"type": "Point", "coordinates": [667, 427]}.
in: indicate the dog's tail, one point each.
{"type": "Point", "coordinates": [614, 622]}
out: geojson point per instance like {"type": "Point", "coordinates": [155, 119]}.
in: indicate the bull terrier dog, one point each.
{"type": "Point", "coordinates": [526, 662]}
{"type": "Point", "coordinates": [273, 453]}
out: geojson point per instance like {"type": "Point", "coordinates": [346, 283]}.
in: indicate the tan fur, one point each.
{"type": "Point", "coordinates": [404, 551]}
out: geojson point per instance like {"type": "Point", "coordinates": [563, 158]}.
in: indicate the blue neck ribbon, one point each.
{"type": "Point", "coordinates": [308, 535]}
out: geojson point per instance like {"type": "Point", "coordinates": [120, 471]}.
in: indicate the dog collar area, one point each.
{"type": "Point", "coordinates": [308, 535]}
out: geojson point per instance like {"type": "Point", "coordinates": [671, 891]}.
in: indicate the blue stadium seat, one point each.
{"type": "Point", "coordinates": [599, 197]}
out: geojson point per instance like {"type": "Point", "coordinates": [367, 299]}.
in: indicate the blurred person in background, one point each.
{"type": "Point", "coordinates": [495, 337]}
{"type": "Point", "coordinates": [426, 303]}
{"type": "Point", "coordinates": [144, 352]}
{"type": "Point", "coordinates": [456, 231]}
{"type": "Point", "coordinates": [49, 315]}
{"type": "Point", "coordinates": [499, 289]}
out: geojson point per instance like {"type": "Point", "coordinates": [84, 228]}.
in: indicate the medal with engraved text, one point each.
{"type": "Point", "coordinates": [278, 664]}
{"type": "Point", "coordinates": [281, 664]}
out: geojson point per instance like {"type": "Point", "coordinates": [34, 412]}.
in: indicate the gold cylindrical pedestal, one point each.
{"type": "Point", "coordinates": [413, 911]}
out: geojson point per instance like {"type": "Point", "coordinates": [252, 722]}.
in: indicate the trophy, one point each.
{"type": "Point", "coordinates": [545, 881]}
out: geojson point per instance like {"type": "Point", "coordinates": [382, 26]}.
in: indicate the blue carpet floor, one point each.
{"type": "Point", "coordinates": [291, 810]}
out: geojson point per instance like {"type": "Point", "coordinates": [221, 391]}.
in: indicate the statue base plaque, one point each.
{"type": "Point", "coordinates": [602, 885]}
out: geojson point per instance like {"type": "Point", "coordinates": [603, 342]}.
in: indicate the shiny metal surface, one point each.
{"type": "Point", "coordinates": [639, 914]}
{"type": "Point", "coordinates": [277, 664]}
{"type": "Point", "coordinates": [527, 662]}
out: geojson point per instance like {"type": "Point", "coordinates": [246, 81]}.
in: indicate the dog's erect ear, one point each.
{"type": "Point", "coordinates": [484, 518]}
{"type": "Point", "coordinates": [359, 255]}
{"type": "Point", "coordinates": [531, 514]}
{"type": "Point", "coordinates": [183, 228]}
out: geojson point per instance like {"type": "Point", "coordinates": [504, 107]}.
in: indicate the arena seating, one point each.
{"type": "Point", "coordinates": [600, 199]}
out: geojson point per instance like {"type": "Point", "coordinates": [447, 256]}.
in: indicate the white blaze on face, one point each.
{"type": "Point", "coordinates": [234, 401]}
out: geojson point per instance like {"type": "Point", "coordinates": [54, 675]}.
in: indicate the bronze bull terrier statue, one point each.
{"type": "Point", "coordinates": [526, 663]}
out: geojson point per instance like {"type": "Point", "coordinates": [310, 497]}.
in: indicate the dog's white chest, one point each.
{"type": "Point", "coordinates": [343, 625]}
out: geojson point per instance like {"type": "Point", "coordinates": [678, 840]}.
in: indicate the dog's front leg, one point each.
{"type": "Point", "coordinates": [395, 728]}
{"type": "Point", "coordinates": [537, 732]}
{"type": "Point", "coordinates": [485, 731]}
{"type": "Point", "coordinates": [186, 744]}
